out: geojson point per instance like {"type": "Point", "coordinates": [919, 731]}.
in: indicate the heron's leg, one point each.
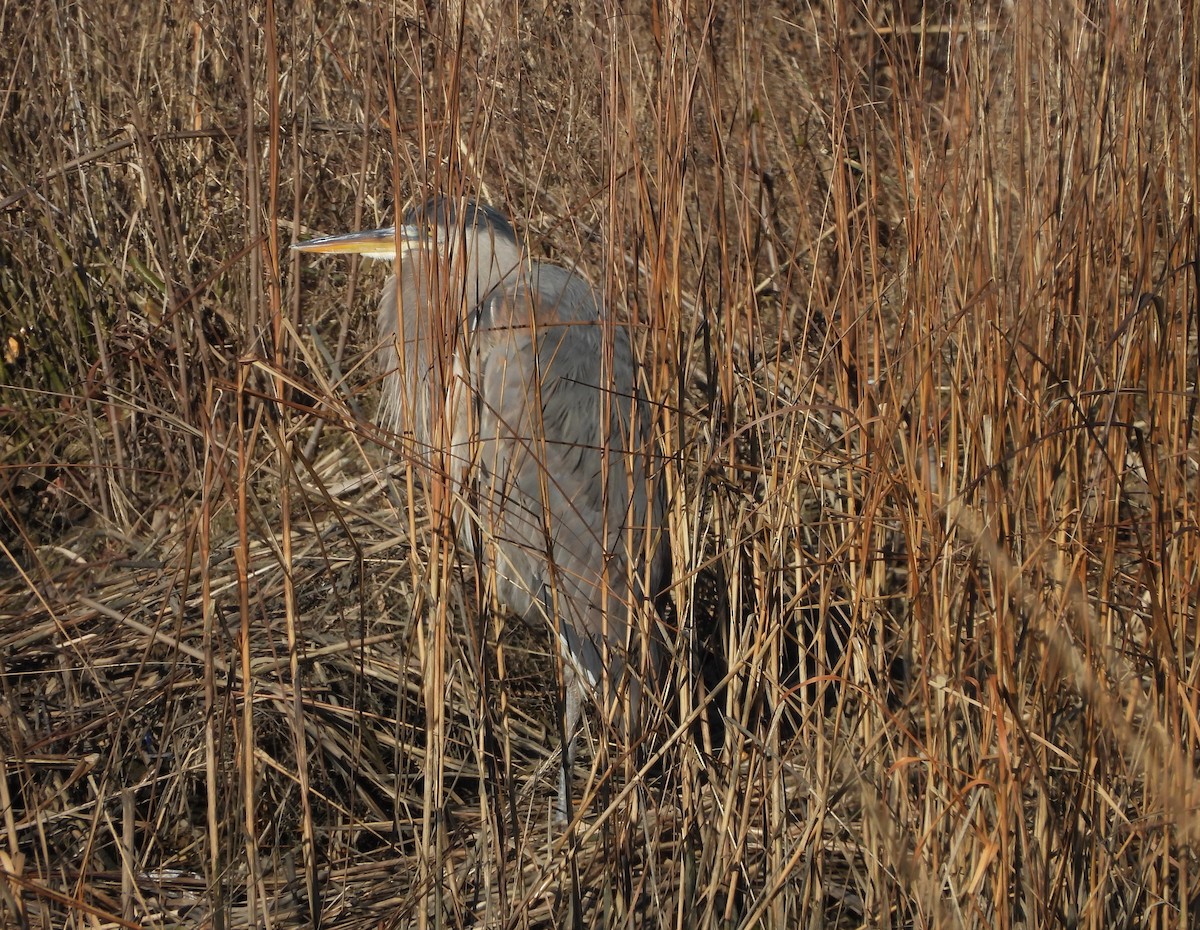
{"type": "Point", "coordinates": [571, 714]}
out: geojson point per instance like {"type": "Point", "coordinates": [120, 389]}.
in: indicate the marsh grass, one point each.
{"type": "Point", "coordinates": [915, 287]}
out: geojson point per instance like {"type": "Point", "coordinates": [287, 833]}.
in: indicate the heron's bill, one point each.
{"type": "Point", "coordinates": [382, 244]}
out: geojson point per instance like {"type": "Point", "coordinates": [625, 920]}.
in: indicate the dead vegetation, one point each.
{"type": "Point", "coordinates": [916, 288]}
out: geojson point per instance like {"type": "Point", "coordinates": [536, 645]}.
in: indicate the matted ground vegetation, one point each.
{"type": "Point", "coordinates": [915, 291]}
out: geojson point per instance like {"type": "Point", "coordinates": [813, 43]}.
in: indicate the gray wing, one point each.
{"type": "Point", "coordinates": [555, 421]}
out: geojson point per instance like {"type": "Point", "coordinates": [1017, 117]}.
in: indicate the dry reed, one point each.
{"type": "Point", "coordinates": [915, 286]}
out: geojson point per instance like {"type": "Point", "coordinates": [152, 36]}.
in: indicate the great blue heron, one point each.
{"type": "Point", "coordinates": [550, 442]}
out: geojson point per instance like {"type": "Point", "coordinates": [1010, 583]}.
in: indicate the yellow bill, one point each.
{"type": "Point", "coordinates": [382, 244]}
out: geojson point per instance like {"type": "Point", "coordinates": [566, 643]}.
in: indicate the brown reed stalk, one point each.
{"type": "Point", "coordinates": [913, 286]}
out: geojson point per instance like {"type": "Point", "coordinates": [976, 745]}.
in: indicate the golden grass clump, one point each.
{"type": "Point", "coordinates": [915, 287]}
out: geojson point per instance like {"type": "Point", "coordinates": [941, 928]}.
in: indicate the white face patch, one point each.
{"type": "Point", "coordinates": [405, 245]}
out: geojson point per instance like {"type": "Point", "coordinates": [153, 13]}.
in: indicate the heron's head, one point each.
{"type": "Point", "coordinates": [443, 226]}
